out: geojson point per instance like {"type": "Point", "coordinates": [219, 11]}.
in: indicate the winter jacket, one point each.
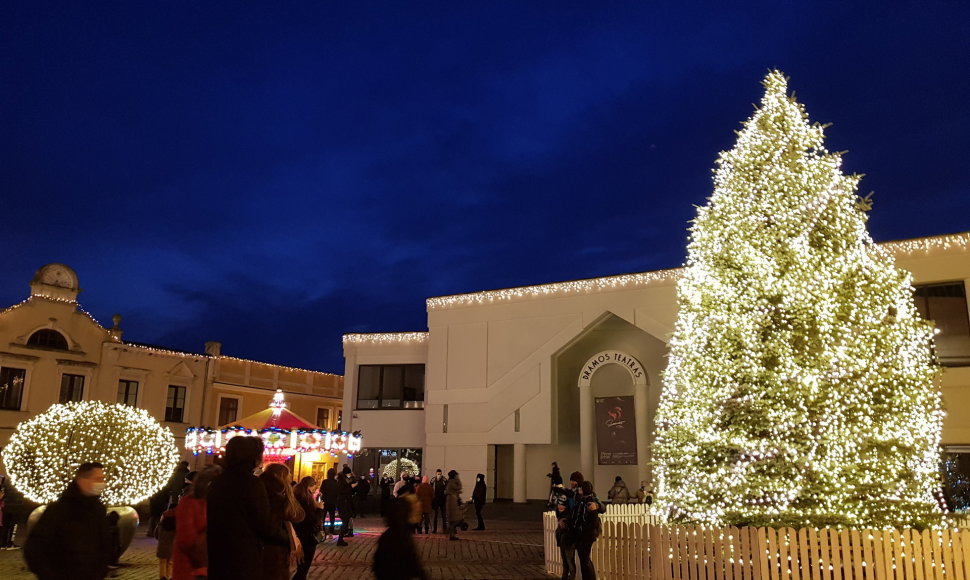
{"type": "Point", "coordinates": [584, 524]}
{"type": "Point", "coordinates": [439, 484]}
{"type": "Point", "coordinates": [425, 495]}
{"type": "Point", "coordinates": [479, 493]}
{"type": "Point", "coordinates": [71, 539]}
{"type": "Point", "coordinates": [190, 539]}
{"type": "Point", "coordinates": [239, 526]}
{"type": "Point", "coordinates": [453, 500]}
{"type": "Point", "coordinates": [619, 493]}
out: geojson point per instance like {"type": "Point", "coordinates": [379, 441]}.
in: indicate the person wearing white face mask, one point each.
{"type": "Point", "coordinates": [71, 538]}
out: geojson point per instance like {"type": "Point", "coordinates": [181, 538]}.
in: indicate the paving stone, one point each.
{"type": "Point", "coordinates": [509, 549]}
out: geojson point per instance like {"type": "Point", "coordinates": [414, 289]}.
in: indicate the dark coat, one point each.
{"type": "Point", "coordinates": [71, 539]}
{"type": "Point", "coordinates": [479, 493]}
{"type": "Point", "coordinates": [239, 525]}
{"type": "Point", "coordinates": [439, 484]}
{"type": "Point", "coordinates": [396, 557]}
{"type": "Point", "coordinates": [453, 502]}
{"type": "Point", "coordinates": [328, 492]}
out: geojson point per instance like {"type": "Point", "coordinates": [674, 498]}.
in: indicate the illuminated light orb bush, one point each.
{"type": "Point", "coordinates": [138, 454]}
{"type": "Point", "coordinates": [408, 467]}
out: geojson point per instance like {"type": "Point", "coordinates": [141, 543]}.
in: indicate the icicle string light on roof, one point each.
{"type": "Point", "coordinates": [926, 245]}
{"type": "Point", "coordinates": [386, 338]}
{"type": "Point", "coordinates": [557, 289]}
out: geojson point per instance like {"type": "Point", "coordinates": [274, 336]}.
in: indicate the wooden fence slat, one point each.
{"type": "Point", "coordinates": [912, 569]}
{"type": "Point", "coordinates": [835, 554]}
{"type": "Point", "coordinates": [867, 554]}
{"type": "Point", "coordinates": [777, 552]}
{"type": "Point", "coordinates": [682, 549]}
{"type": "Point", "coordinates": [926, 554]}
{"type": "Point", "coordinates": [855, 548]}
{"type": "Point", "coordinates": [965, 552]}
{"type": "Point", "coordinates": [761, 560]}
{"type": "Point", "coordinates": [791, 537]}
{"type": "Point", "coordinates": [946, 543]}
{"type": "Point", "coordinates": [712, 558]}
{"type": "Point", "coordinates": [814, 556]}
{"type": "Point", "coordinates": [737, 553]}
{"type": "Point", "coordinates": [804, 563]}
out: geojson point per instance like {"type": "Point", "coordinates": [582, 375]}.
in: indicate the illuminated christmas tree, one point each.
{"type": "Point", "coordinates": [801, 386]}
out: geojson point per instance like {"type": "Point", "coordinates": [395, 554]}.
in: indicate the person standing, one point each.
{"type": "Point", "coordinates": [385, 484]}
{"type": "Point", "coordinates": [329, 490]}
{"type": "Point", "coordinates": [190, 560]}
{"type": "Point", "coordinates": [345, 505]}
{"type": "Point", "coordinates": [306, 530]}
{"type": "Point", "coordinates": [478, 498]}
{"type": "Point", "coordinates": [71, 539]}
{"type": "Point", "coordinates": [618, 494]}
{"type": "Point", "coordinates": [564, 503]}
{"type": "Point", "coordinates": [284, 511]}
{"type": "Point", "coordinates": [396, 557]}
{"type": "Point", "coordinates": [438, 484]}
{"type": "Point", "coordinates": [237, 512]}
{"type": "Point", "coordinates": [586, 526]}
{"type": "Point", "coordinates": [425, 494]}
{"type": "Point", "coordinates": [361, 493]}
{"type": "Point", "coordinates": [453, 505]}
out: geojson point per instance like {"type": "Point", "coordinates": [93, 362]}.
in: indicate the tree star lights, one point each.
{"type": "Point", "coordinates": [138, 454]}
{"type": "Point", "coordinates": [801, 388]}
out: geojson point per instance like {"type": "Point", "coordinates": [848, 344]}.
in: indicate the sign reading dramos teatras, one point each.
{"type": "Point", "coordinates": [607, 357]}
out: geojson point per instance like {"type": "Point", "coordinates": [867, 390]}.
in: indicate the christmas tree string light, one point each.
{"type": "Point", "coordinates": [801, 387]}
{"type": "Point", "coordinates": [138, 454]}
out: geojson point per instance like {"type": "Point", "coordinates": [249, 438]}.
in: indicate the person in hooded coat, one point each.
{"type": "Point", "coordinates": [238, 517]}
{"type": "Point", "coordinates": [453, 502]}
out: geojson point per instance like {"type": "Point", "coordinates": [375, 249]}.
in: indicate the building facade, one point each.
{"type": "Point", "coordinates": [52, 351]}
{"type": "Point", "coordinates": [515, 379]}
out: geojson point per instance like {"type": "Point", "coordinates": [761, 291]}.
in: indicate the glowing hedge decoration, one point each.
{"type": "Point", "coordinates": [138, 454]}
{"type": "Point", "coordinates": [800, 388]}
{"type": "Point", "coordinates": [407, 467]}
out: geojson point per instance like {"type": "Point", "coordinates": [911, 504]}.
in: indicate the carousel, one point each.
{"type": "Point", "coordinates": [287, 438]}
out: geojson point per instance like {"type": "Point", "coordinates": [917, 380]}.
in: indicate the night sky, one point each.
{"type": "Point", "coordinates": [275, 175]}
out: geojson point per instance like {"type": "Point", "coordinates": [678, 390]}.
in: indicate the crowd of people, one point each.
{"type": "Point", "coordinates": [225, 521]}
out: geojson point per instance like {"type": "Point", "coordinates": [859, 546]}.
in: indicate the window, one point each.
{"type": "Point", "coordinates": [128, 392]}
{"type": "Point", "coordinates": [72, 388]}
{"type": "Point", "coordinates": [946, 306]}
{"type": "Point", "coordinates": [48, 338]}
{"type": "Point", "coordinates": [390, 387]}
{"type": "Point", "coordinates": [11, 388]}
{"type": "Point", "coordinates": [323, 417]}
{"type": "Point", "coordinates": [175, 404]}
{"type": "Point", "coordinates": [228, 410]}
{"type": "Point", "coordinates": [340, 420]}
{"type": "Point", "coordinates": [955, 473]}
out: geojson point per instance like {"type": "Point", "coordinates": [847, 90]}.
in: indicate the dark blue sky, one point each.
{"type": "Point", "coordinates": [275, 175]}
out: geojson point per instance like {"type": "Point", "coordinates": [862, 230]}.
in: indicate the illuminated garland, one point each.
{"type": "Point", "coordinates": [386, 338]}
{"type": "Point", "coordinates": [138, 454]}
{"type": "Point", "coordinates": [408, 467]}
{"type": "Point", "coordinates": [276, 442]}
{"type": "Point", "coordinates": [800, 388]}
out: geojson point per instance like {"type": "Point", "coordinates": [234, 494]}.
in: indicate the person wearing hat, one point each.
{"type": "Point", "coordinates": [565, 534]}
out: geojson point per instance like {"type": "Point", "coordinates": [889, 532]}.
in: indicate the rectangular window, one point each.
{"type": "Point", "coordinates": [390, 387]}
{"type": "Point", "coordinates": [128, 392]}
{"type": "Point", "coordinates": [11, 388]}
{"type": "Point", "coordinates": [175, 404]}
{"type": "Point", "coordinates": [72, 388]}
{"type": "Point", "coordinates": [323, 417]}
{"type": "Point", "coordinates": [946, 306]}
{"type": "Point", "coordinates": [955, 472]}
{"type": "Point", "coordinates": [340, 420]}
{"type": "Point", "coordinates": [228, 410]}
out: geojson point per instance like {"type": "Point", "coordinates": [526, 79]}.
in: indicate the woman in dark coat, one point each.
{"type": "Point", "coordinates": [238, 515]}
{"type": "Point", "coordinates": [284, 511]}
{"type": "Point", "coordinates": [453, 503]}
{"type": "Point", "coordinates": [478, 498]}
{"type": "Point", "coordinates": [306, 530]}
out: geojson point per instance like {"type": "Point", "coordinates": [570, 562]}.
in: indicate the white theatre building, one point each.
{"type": "Point", "coordinates": [505, 382]}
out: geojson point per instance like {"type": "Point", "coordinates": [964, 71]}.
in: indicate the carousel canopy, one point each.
{"type": "Point", "coordinates": [284, 433]}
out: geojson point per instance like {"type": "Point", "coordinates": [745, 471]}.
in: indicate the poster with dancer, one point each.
{"type": "Point", "coordinates": [616, 431]}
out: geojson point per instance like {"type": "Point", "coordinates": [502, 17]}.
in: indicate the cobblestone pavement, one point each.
{"type": "Point", "coordinates": [509, 549]}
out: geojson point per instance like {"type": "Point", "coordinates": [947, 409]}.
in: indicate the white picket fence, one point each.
{"type": "Point", "coordinates": [634, 545]}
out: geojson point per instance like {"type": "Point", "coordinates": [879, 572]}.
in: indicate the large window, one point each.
{"type": "Point", "coordinates": [175, 404]}
{"type": "Point", "coordinates": [323, 417]}
{"type": "Point", "coordinates": [955, 471]}
{"type": "Point", "coordinates": [72, 388]}
{"type": "Point", "coordinates": [128, 392]}
{"type": "Point", "coordinates": [390, 387]}
{"type": "Point", "coordinates": [946, 306]}
{"type": "Point", "coordinates": [228, 410]}
{"type": "Point", "coordinates": [48, 338]}
{"type": "Point", "coordinates": [11, 388]}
